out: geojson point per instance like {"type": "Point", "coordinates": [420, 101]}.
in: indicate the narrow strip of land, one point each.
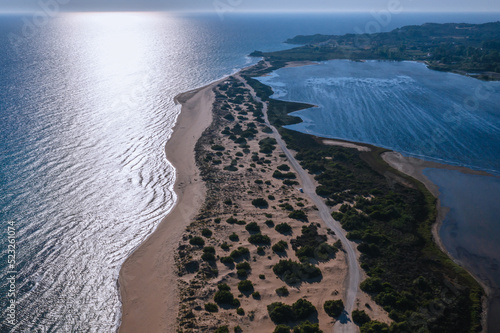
{"type": "Point", "coordinates": [309, 188]}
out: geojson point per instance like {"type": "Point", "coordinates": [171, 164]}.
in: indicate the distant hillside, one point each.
{"type": "Point", "coordinates": [472, 49]}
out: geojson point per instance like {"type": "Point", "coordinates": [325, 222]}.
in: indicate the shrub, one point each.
{"type": "Point", "coordinates": [283, 228]}
{"type": "Point", "coordinates": [234, 237]}
{"type": "Point", "coordinates": [225, 246]}
{"type": "Point", "coordinates": [270, 223]}
{"type": "Point", "coordinates": [294, 272]}
{"type": "Point", "coordinates": [334, 308]}
{"type": "Point", "coordinates": [372, 285]}
{"type": "Point", "coordinates": [243, 265]}
{"type": "Point", "coordinates": [228, 202]}
{"type": "Point", "coordinates": [231, 220]}
{"type": "Point", "coordinates": [283, 291]}
{"type": "Point", "coordinates": [259, 239]}
{"type": "Point", "coordinates": [375, 327]}
{"type": "Point", "coordinates": [262, 276]}
{"type": "Point", "coordinates": [209, 249]}
{"type": "Point", "coordinates": [206, 233]}
{"type": "Point", "coordinates": [260, 203]}
{"type": "Point", "coordinates": [252, 227]}
{"type": "Point", "coordinates": [283, 167]}
{"type": "Point", "coordinates": [240, 311]}
{"type": "Point", "coordinates": [224, 297]}
{"type": "Point", "coordinates": [218, 148]}
{"type": "Point", "coordinates": [238, 329]}
{"type": "Point", "coordinates": [280, 312]}
{"type": "Point", "coordinates": [298, 215]}
{"type": "Point", "coordinates": [303, 309]}
{"type": "Point", "coordinates": [282, 329]}
{"type": "Point", "coordinates": [256, 295]}
{"type": "Point", "coordinates": [260, 251]}
{"type": "Point", "coordinates": [271, 197]}
{"type": "Point", "coordinates": [227, 260]}
{"type": "Point", "coordinates": [286, 206]}
{"type": "Point", "coordinates": [280, 175]}
{"type": "Point", "coordinates": [211, 307]}
{"type": "Point", "coordinates": [222, 329]}
{"type": "Point", "coordinates": [240, 252]}
{"type": "Point", "coordinates": [245, 286]}
{"type": "Point", "coordinates": [197, 241]}
{"type": "Point", "coordinates": [259, 181]}
{"type": "Point", "coordinates": [281, 246]}
{"type": "Point", "coordinates": [223, 286]}
{"type": "Point", "coordinates": [359, 317]}
{"type": "Point", "coordinates": [208, 257]}
{"type": "Point", "coordinates": [307, 327]}
{"type": "Point", "coordinates": [242, 273]}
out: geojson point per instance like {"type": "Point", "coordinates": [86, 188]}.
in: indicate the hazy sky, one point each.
{"type": "Point", "coordinates": [254, 5]}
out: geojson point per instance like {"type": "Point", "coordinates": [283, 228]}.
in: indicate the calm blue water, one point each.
{"type": "Point", "coordinates": [399, 105]}
{"type": "Point", "coordinates": [470, 232]}
{"type": "Point", "coordinates": [86, 106]}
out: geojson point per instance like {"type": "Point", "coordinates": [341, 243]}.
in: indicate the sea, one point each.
{"type": "Point", "coordinates": [86, 107]}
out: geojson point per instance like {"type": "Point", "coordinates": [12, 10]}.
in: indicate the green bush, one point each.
{"type": "Point", "coordinates": [222, 329]}
{"type": "Point", "coordinates": [307, 327]}
{"type": "Point", "coordinates": [281, 246]}
{"type": "Point", "coordinates": [292, 272]}
{"type": "Point", "coordinates": [224, 246]}
{"type": "Point", "coordinates": [224, 297]}
{"type": "Point", "coordinates": [375, 327]}
{"type": "Point", "coordinates": [280, 312]}
{"type": "Point", "coordinates": [259, 239]}
{"type": "Point", "coordinates": [298, 215]}
{"type": "Point", "coordinates": [227, 260]}
{"type": "Point", "coordinates": [209, 249]}
{"type": "Point", "coordinates": [262, 276]}
{"type": "Point", "coordinates": [234, 237]}
{"type": "Point", "coordinates": [218, 148]}
{"type": "Point", "coordinates": [240, 252]}
{"type": "Point", "coordinates": [334, 308]}
{"type": "Point", "coordinates": [231, 220]}
{"type": "Point", "coordinates": [197, 241]}
{"type": "Point", "coordinates": [359, 317]}
{"type": "Point", "coordinates": [211, 307]}
{"type": "Point", "coordinates": [282, 329]}
{"type": "Point", "coordinates": [206, 233]}
{"type": "Point", "coordinates": [303, 309]}
{"type": "Point", "coordinates": [243, 265]}
{"type": "Point", "coordinates": [223, 286]}
{"type": "Point", "coordinates": [252, 227]}
{"type": "Point", "coordinates": [256, 295]}
{"type": "Point", "coordinates": [270, 223]}
{"type": "Point", "coordinates": [260, 203]}
{"type": "Point", "coordinates": [240, 311]}
{"type": "Point", "coordinates": [242, 273]}
{"type": "Point", "coordinates": [283, 228]}
{"type": "Point", "coordinates": [208, 257]}
{"type": "Point", "coordinates": [283, 167]}
{"type": "Point", "coordinates": [245, 286]}
{"type": "Point", "coordinates": [282, 291]}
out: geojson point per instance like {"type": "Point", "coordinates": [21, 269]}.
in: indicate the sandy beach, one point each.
{"type": "Point", "coordinates": [147, 278]}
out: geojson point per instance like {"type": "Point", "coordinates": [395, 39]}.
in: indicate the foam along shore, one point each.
{"type": "Point", "coordinates": [147, 279]}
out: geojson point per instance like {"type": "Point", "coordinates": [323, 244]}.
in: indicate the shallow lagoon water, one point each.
{"type": "Point", "coordinates": [437, 116]}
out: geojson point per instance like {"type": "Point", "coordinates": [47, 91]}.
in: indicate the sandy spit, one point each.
{"type": "Point", "coordinates": [147, 279]}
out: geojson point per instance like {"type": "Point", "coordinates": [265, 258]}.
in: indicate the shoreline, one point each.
{"type": "Point", "coordinates": [149, 304]}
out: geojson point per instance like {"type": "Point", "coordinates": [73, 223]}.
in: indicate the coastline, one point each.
{"type": "Point", "coordinates": [149, 301]}
{"type": "Point", "coordinates": [149, 304]}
